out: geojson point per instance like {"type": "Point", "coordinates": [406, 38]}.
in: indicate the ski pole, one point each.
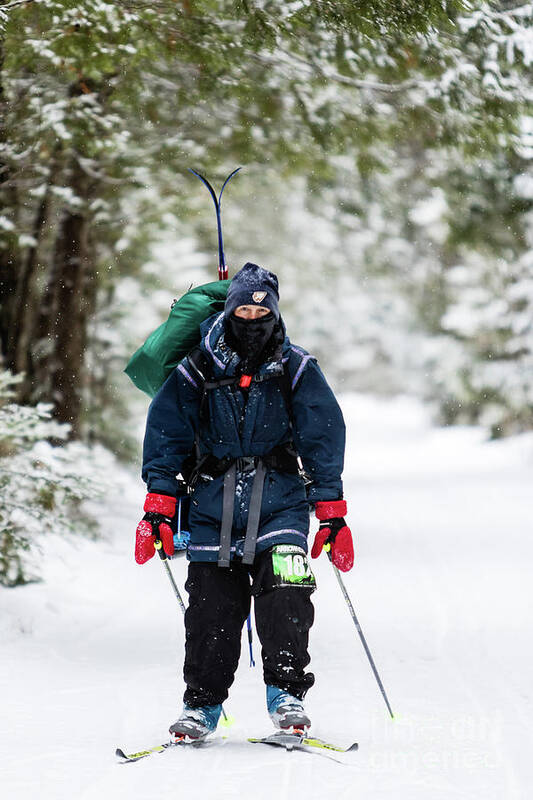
{"type": "Point", "coordinates": [346, 596]}
{"type": "Point", "coordinates": [158, 544]}
{"type": "Point", "coordinates": [250, 640]}
{"type": "Point", "coordinates": [222, 268]}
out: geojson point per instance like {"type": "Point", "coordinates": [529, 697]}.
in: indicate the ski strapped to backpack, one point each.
{"type": "Point", "coordinates": [283, 458]}
{"type": "Point", "coordinates": [222, 268]}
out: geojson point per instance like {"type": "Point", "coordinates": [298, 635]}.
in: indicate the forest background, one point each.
{"type": "Point", "coordinates": [387, 151]}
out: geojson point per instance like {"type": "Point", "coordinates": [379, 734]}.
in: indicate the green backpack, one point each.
{"type": "Point", "coordinates": [151, 365]}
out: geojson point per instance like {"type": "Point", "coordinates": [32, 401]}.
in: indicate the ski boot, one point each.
{"type": "Point", "coordinates": [286, 711]}
{"type": "Point", "coordinates": [195, 724]}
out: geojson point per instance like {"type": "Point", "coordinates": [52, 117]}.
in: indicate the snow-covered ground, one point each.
{"type": "Point", "coordinates": [91, 658]}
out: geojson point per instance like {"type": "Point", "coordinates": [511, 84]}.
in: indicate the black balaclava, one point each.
{"type": "Point", "coordinates": [251, 339]}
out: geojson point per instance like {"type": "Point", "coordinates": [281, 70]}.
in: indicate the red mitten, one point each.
{"type": "Point", "coordinates": [159, 509]}
{"type": "Point", "coordinates": [335, 532]}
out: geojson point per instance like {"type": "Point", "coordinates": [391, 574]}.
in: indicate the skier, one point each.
{"type": "Point", "coordinates": [247, 403]}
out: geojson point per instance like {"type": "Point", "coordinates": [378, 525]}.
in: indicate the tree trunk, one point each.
{"type": "Point", "coordinates": [65, 310]}
{"type": "Point", "coordinates": [8, 259]}
{"type": "Point", "coordinates": [25, 306]}
{"type": "Point", "coordinates": [8, 289]}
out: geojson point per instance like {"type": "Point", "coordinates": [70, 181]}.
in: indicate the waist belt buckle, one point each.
{"type": "Point", "coordinates": [246, 463]}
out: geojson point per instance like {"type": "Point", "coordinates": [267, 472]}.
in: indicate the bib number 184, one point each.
{"type": "Point", "coordinates": [291, 567]}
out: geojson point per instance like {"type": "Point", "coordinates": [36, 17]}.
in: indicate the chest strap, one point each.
{"type": "Point", "coordinates": [202, 366]}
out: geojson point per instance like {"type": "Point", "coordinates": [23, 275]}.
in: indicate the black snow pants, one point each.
{"type": "Point", "coordinates": [219, 603]}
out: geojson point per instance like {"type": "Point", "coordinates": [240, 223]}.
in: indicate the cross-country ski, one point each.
{"type": "Point", "coordinates": [128, 758]}
{"type": "Point", "coordinates": [289, 741]}
{"type": "Point", "coordinates": [308, 744]}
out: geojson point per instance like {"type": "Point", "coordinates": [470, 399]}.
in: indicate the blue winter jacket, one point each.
{"type": "Point", "coordinates": [239, 426]}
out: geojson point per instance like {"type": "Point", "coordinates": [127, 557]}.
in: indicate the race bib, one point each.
{"type": "Point", "coordinates": [291, 567]}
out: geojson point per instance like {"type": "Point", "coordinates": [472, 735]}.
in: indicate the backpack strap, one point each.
{"type": "Point", "coordinates": [200, 366]}
{"type": "Point", "coordinates": [200, 363]}
{"type": "Point", "coordinates": [286, 390]}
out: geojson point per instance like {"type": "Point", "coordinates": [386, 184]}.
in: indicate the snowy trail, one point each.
{"type": "Point", "coordinates": [92, 658]}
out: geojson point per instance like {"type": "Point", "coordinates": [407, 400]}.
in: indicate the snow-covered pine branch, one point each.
{"type": "Point", "coordinates": [42, 486]}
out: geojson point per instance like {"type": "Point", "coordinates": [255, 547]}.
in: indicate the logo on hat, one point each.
{"type": "Point", "coordinates": [258, 296]}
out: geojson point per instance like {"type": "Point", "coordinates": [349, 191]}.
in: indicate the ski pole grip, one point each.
{"type": "Point", "coordinates": [158, 544]}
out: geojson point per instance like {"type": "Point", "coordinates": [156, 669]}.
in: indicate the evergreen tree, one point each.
{"type": "Point", "coordinates": [41, 487]}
